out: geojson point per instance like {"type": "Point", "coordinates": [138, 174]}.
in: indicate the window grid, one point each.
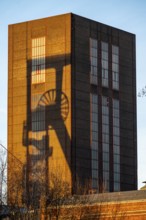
{"type": "Point", "coordinates": [38, 125]}
{"type": "Point", "coordinates": [104, 63]}
{"type": "Point", "coordinates": [115, 67]}
{"type": "Point", "coordinates": [116, 145]}
{"type": "Point", "coordinates": [94, 139]}
{"type": "Point", "coordinates": [93, 59]}
{"type": "Point", "coordinates": [105, 141]}
{"type": "Point", "coordinates": [38, 60]}
{"type": "Point", "coordinates": [38, 142]}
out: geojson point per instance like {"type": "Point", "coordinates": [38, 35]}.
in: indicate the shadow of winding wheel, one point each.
{"type": "Point", "coordinates": [49, 99]}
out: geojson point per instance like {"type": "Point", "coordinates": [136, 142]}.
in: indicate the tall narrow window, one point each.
{"type": "Point", "coordinates": [38, 60]}
{"type": "Point", "coordinates": [115, 67]}
{"type": "Point", "coordinates": [38, 134]}
{"type": "Point", "coordinates": [104, 63]}
{"type": "Point", "coordinates": [116, 145]}
{"type": "Point", "coordinates": [93, 58]}
{"type": "Point", "coordinates": [94, 140]}
{"type": "Point", "coordinates": [105, 141]}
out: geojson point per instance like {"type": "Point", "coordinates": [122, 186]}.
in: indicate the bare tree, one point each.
{"type": "Point", "coordinates": [56, 196]}
{"type": "Point", "coordinates": [51, 198]}
{"type": "Point", "coordinates": [12, 185]}
{"type": "Point", "coordinates": [80, 201]}
{"type": "Point", "coordinates": [142, 92]}
{"type": "Point", "coordinates": [3, 176]}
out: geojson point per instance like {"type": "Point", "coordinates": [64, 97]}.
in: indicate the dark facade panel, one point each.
{"type": "Point", "coordinates": [126, 94]}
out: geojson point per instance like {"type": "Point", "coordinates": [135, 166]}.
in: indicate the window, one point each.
{"type": "Point", "coordinates": [105, 147]}
{"type": "Point", "coordinates": [38, 60]}
{"type": "Point", "coordinates": [115, 67]}
{"type": "Point", "coordinates": [38, 123]}
{"type": "Point", "coordinates": [93, 59]}
{"type": "Point", "coordinates": [105, 140]}
{"type": "Point", "coordinates": [116, 144]}
{"type": "Point", "coordinates": [104, 63]}
{"type": "Point", "coordinates": [94, 139]}
{"type": "Point", "coordinates": [38, 142]}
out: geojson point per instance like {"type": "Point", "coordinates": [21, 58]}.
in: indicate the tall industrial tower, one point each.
{"type": "Point", "coordinates": [72, 102]}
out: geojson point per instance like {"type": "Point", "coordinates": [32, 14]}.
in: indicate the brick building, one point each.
{"type": "Point", "coordinates": [129, 205]}
{"type": "Point", "coordinates": [72, 103]}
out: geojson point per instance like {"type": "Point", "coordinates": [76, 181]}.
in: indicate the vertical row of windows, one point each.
{"type": "Point", "coordinates": [104, 63]}
{"type": "Point", "coordinates": [116, 145]}
{"type": "Point", "coordinates": [105, 141]}
{"type": "Point", "coordinates": [105, 115]}
{"type": "Point", "coordinates": [94, 139]}
{"type": "Point", "coordinates": [115, 67]}
{"type": "Point", "coordinates": [38, 127]}
{"type": "Point", "coordinates": [38, 60]}
{"type": "Point", "coordinates": [94, 59]}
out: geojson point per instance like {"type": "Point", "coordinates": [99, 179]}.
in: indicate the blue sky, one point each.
{"type": "Point", "coordinates": [129, 15]}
